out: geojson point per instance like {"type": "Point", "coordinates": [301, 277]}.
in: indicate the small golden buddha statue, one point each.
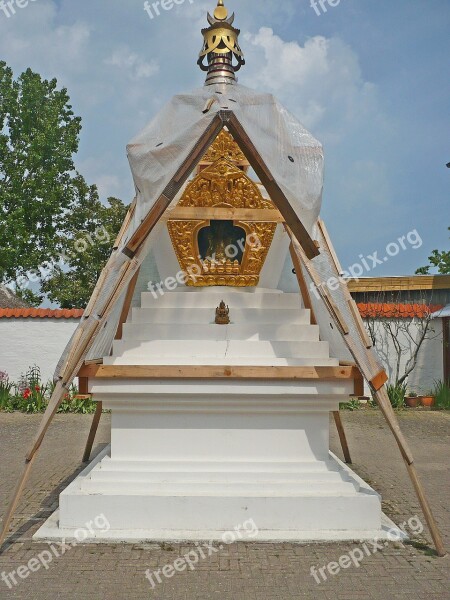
{"type": "Point", "coordinates": [222, 314]}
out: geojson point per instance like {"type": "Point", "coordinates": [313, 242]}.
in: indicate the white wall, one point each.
{"type": "Point", "coordinates": [28, 342]}
{"type": "Point", "coordinates": [430, 364]}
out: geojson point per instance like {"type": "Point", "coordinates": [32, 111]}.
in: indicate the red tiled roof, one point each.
{"type": "Point", "coordinates": [398, 311]}
{"type": "Point", "coordinates": [40, 313]}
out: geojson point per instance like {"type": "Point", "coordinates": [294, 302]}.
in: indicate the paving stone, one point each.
{"type": "Point", "coordinates": [252, 571]}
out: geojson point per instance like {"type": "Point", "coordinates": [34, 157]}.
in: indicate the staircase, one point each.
{"type": "Point", "coordinates": [267, 327]}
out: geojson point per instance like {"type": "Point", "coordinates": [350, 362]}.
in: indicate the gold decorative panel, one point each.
{"type": "Point", "coordinates": [224, 146]}
{"type": "Point", "coordinates": [224, 259]}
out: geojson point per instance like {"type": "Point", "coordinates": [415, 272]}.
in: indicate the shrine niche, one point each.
{"type": "Point", "coordinates": [222, 251]}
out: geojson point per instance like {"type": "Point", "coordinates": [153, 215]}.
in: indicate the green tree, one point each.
{"type": "Point", "coordinates": [54, 231]}
{"type": "Point", "coordinates": [39, 135]}
{"type": "Point", "coordinates": [94, 228]}
{"type": "Point", "coordinates": [439, 261]}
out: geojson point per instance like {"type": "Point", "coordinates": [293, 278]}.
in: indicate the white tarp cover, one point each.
{"type": "Point", "coordinates": [292, 155]}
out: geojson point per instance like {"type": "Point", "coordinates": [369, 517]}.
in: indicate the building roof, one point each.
{"type": "Point", "coordinates": [383, 310]}
{"type": "Point", "coordinates": [9, 300]}
{"type": "Point", "coordinates": [40, 313]}
{"type": "Point", "coordinates": [396, 311]}
{"type": "Point", "coordinates": [444, 313]}
{"type": "Point", "coordinates": [398, 284]}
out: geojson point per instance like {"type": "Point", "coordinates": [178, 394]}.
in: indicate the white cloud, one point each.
{"type": "Point", "coordinates": [135, 66]}
{"type": "Point", "coordinates": [108, 185]}
{"type": "Point", "coordinates": [321, 82]}
{"type": "Point", "coordinates": [318, 79]}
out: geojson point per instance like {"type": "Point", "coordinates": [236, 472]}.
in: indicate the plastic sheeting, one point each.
{"type": "Point", "coordinates": [292, 155]}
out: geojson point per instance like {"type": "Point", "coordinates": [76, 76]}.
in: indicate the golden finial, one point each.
{"type": "Point", "coordinates": [220, 46]}
{"type": "Point", "coordinates": [221, 13]}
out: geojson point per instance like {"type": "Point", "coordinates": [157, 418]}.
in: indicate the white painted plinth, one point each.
{"type": "Point", "coordinates": [191, 460]}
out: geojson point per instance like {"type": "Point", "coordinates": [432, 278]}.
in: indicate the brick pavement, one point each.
{"type": "Point", "coordinates": [245, 571]}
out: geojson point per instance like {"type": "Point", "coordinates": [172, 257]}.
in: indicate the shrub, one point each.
{"type": "Point", "coordinates": [31, 395]}
{"type": "Point", "coordinates": [441, 393]}
{"type": "Point", "coordinates": [397, 395]}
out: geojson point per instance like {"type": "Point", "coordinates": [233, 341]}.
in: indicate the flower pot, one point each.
{"type": "Point", "coordinates": [427, 401]}
{"type": "Point", "coordinates": [412, 401]}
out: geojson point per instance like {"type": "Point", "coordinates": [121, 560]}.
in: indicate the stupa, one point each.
{"type": "Point", "coordinates": [221, 336]}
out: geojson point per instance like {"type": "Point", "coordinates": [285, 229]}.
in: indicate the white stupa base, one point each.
{"type": "Point", "coordinates": [194, 460]}
{"type": "Point", "coordinates": [384, 529]}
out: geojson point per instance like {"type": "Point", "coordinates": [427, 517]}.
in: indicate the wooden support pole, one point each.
{"type": "Point", "coordinates": [391, 418]}
{"type": "Point", "coordinates": [368, 364]}
{"type": "Point", "coordinates": [126, 305]}
{"type": "Point", "coordinates": [432, 526]}
{"type": "Point", "coordinates": [92, 432]}
{"type": "Point", "coordinates": [273, 189]}
{"type": "Point", "coordinates": [342, 437]}
{"type": "Point", "coordinates": [302, 283]}
{"type": "Point", "coordinates": [15, 500]}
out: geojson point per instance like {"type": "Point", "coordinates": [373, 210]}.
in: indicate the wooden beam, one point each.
{"type": "Point", "coordinates": [15, 500]}
{"type": "Point", "coordinates": [216, 372]}
{"type": "Point", "coordinates": [359, 324]}
{"type": "Point", "coordinates": [125, 224]}
{"type": "Point", "coordinates": [359, 384]}
{"type": "Point", "coordinates": [92, 432]}
{"type": "Point", "coordinates": [379, 380]}
{"type": "Point", "coordinates": [273, 189]}
{"type": "Point", "coordinates": [83, 385]}
{"type": "Point", "coordinates": [339, 318]}
{"type": "Point", "coordinates": [342, 437]}
{"type": "Point", "coordinates": [367, 361]}
{"type": "Point", "coordinates": [391, 418]}
{"type": "Point", "coordinates": [194, 213]}
{"type": "Point", "coordinates": [327, 239]}
{"type": "Point", "coordinates": [160, 206]}
{"type": "Point", "coordinates": [126, 305]}
{"type": "Point", "coordinates": [301, 281]}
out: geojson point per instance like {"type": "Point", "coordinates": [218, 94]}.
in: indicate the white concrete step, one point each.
{"type": "Point", "coordinates": [193, 315]}
{"type": "Point", "coordinates": [230, 361]}
{"type": "Point", "coordinates": [212, 300]}
{"type": "Point", "coordinates": [211, 477]}
{"type": "Point", "coordinates": [249, 332]}
{"type": "Point", "coordinates": [224, 349]}
{"type": "Point", "coordinates": [109, 464]}
{"type": "Point", "coordinates": [281, 488]}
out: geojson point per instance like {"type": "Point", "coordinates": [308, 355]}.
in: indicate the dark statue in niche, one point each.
{"type": "Point", "coordinates": [221, 241]}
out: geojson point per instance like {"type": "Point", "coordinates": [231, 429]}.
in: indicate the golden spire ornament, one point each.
{"type": "Point", "coordinates": [220, 46]}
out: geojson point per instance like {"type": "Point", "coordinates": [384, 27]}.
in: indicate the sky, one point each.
{"type": "Point", "coordinates": [369, 79]}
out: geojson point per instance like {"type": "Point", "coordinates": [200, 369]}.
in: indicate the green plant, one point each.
{"type": "Point", "coordinates": [412, 395]}
{"type": "Point", "coordinates": [6, 388]}
{"type": "Point", "coordinates": [31, 396]}
{"type": "Point", "coordinates": [352, 404]}
{"type": "Point", "coordinates": [441, 393]}
{"type": "Point", "coordinates": [397, 395]}
{"type": "Point", "coordinates": [72, 404]}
